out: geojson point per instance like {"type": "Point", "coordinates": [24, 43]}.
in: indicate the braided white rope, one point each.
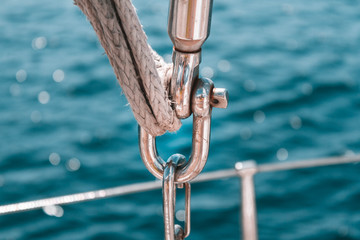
{"type": "Point", "coordinates": [141, 72]}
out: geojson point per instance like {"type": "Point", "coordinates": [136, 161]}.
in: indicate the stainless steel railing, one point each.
{"type": "Point", "coordinates": [244, 170]}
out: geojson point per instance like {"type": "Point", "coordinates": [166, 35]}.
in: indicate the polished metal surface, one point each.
{"type": "Point", "coordinates": [187, 226]}
{"type": "Point", "coordinates": [219, 98]}
{"type": "Point", "coordinates": [153, 185]}
{"type": "Point", "coordinates": [246, 171]}
{"type": "Point", "coordinates": [169, 198]}
{"type": "Point", "coordinates": [187, 209]}
{"type": "Point", "coordinates": [183, 77]}
{"type": "Point", "coordinates": [188, 28]}
{"type": "Point", "coordinates": [271, 167]}
{"type": "Point", "coordinates": [201, 109]}
{"type": "Point", "coordinates": [80, 197]}
{"type": "Point", "coordinates": [189, 23]}
{"type": "Point", "coordinates": [149, 155]}
{"type": "Point", "coordinates": [171, 230]}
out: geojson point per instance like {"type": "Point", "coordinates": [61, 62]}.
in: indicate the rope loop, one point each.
{"type": "Point", "coordinates": [142, 73]}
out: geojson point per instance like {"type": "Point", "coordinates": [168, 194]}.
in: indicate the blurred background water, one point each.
{"type": "Point", "coordinates": [292, 69]}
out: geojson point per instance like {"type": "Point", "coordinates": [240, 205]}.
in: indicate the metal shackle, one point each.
{"type": "Point", "coordinates": [188, 28]}
{"type": "Point", "coordinates": [203, 99]}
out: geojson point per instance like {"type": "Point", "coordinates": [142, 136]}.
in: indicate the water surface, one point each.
{"type": "Point", "coordinates": [293, 75]}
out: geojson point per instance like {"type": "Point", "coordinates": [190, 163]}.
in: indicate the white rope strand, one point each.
{"type": "Point", "coordinates": [139, 70]}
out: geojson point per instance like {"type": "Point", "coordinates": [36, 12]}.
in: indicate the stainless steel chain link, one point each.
{"type": "Point", "coordinates": [188, 27]}
{"type": "Point", "coordinates": [172, 230]}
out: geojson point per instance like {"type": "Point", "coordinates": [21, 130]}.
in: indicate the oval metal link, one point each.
{"type": "Point", "coordinates": [201, 108]}
{"type": "Point", "coordinates": [172, 231]}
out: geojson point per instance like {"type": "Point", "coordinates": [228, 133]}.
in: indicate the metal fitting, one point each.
{"type": "Point", "coordinates": [185, 71]}
{"type": "Point", "coordinates": [172, 230]}
{"type": "Point", "coordinates": [189, 23]}
{"type": "Point", "coordinates": [201, 107]}
{"type": "Point", "coordinates": [188, 28]}
{"type": "Point", "coordinates": [246, 171]}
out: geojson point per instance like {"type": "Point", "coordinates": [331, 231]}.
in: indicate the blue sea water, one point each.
{"type": "Point", "coordinates": [292, 69]}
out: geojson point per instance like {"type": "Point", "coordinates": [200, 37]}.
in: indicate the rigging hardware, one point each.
{"type": "Point", "coordinates": [188, 28]}
{"type": "Point", "coordinates": [173, 231]}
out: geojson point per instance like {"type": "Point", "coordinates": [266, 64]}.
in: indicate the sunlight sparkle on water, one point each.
{"type": "Point", "coordinates": [54, 159]}
{"type": "Point", "coordinates": [35, 116]}
{"type": "Point", "coordinates": [73, 164]}
{"type": "Point", "coordinates": [39, 43]}
{"type": "Point", "coordinates": [207, 72]}
{"type": "Point", "coordinates": [180, 215]}
{"type": "Point", "coordinates": [44, 97]}
{"type": "Point", "coordinates": [53, 210]}
{"type": "Point", "coordinates": [295, 122]}
{"type": "Point", "coordinates": [15, 89]}
{"type": "Point", "coordinates": [21, 75]}
{"type": "Point", "coordinates": [282, 154]}
{"type": "Point", "coordinates": [259, 116]}
{"type": "Point", "coordinates": [224, 65]}
{"type": "Point", "coordinates": [58, 75]}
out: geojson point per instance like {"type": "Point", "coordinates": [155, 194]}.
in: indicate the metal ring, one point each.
{"type": "Point", "coordinates": [172, 231]}
{"type": "Point", "coordinates": [201, 108]}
